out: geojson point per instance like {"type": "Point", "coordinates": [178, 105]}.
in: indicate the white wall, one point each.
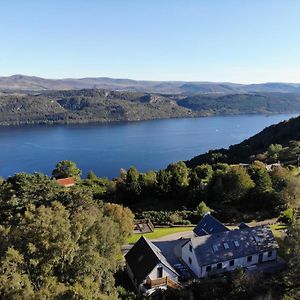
{"type": "Point", "coordinates": [166, 273]}
{"type": "Point", "coordinates": [185, 254]}
{"type": "Point", "coordinates": [238, 262]}
{"type": "Point", "coordinates": [273, 257]}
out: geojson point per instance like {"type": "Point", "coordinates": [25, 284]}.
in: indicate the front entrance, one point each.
{"type": "Point", "coordinates": [260, 257]}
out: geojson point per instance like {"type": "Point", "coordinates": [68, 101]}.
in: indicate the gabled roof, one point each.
{"type": "Point", "coordinates": [243, 226]}
{"type": "Point", "coordinates": [232, 244]}
{"type": "Point", "coordinates": [69, 181]}
{"type": "Point", "coordinates": [143, 257]}
{"type": "Point", "coordinates": [209, 225]}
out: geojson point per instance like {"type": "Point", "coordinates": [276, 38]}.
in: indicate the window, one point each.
{"type": "Point", "coordinates": [236, 243]}
{"type": "Point", "coordinates": [159, 272]}
{"type": "Point", "coordinates": [191, 248]}
{"type": "Point", "coordinates": [219, 266]}
{"type": "Point", "coordinates": [215, 248]}
{"type": "Point", "coordinates": [190, 260]}
{"type": "Point", "coordinates": [208, 268]}
{"type": "Point", "coordinates": [270, 253]}
{"type": "Point", "coordinates": [249, 258]}
{"type": "Point", "coordinates": [231, 263]}
{"type": "Point", "coordinates": [226, 246]}
{"type": "Point", "coordinates": [211, 229]}
{"type": "Point", "coordinates": [204, 225]}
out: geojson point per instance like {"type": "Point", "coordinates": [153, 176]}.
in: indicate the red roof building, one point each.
{"type": "Point", "coordinates": [66, 182]}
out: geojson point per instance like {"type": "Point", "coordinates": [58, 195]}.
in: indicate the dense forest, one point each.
{"type": "Point", "coordinates": [83, 106]}
{"type": "Point", "coordinates": [57, 243]}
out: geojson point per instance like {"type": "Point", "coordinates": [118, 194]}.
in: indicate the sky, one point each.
{"type": "Point", "coordinates": [190, 40]}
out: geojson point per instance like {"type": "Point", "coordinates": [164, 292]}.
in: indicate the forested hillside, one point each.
{"type": "Point", "coordinates": [276, 142]}
{"type": "Point", "coordinates": [83, 106]}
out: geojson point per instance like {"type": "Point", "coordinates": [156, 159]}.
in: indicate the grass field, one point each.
{"type": "Point", "coordinates": [278, 229]}
{"type": "Point", "coordinates": [159, 232]}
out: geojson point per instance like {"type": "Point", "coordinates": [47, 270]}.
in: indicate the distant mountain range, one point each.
{"type": "Point", "coordinates": [32, 83]}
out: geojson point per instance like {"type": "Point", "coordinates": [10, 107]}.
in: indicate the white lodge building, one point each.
{"type": "Point", "coordinates": [212, 248]}
{"type": "Point", "coordinates": [216, 249]}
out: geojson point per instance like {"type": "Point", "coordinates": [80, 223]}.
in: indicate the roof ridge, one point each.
{"type": "Point", "coordinates": [158, 252]}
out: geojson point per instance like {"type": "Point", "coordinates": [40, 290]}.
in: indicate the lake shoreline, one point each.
{"type": "Point", "coordinates": [108, 122]}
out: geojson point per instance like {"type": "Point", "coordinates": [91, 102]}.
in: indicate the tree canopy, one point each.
{"type": "Point", "coordinates": [66, 168]}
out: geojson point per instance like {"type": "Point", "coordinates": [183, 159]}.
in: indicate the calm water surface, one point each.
{"type": "Point", "coordinates": [106, 148]}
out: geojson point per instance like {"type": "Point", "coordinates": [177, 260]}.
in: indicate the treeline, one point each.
{"type": "Point", "coordinates": [233, 192]}
{"type": "Point", "coordinates": [86, 106]}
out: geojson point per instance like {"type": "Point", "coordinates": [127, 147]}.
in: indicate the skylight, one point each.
{"type": "Point", "coordinates": [236, 243]}
{"type": "Point", "coordinates": [226, 246]}
{"type": "Point", "coordinates": [215, 248]}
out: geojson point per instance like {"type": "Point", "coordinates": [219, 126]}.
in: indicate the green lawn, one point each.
{"type": "Point", "coordinates": [278, 229]}
{"type": "Point", "coordinates": [159, 232]}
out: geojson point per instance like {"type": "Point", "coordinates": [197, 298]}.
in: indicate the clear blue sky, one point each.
{"type": "Point", "coordinates": [201, 40]}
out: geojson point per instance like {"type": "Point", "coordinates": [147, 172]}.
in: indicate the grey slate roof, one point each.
{"type": "Point", "coordinates": [209, 225]}
{"type": "Point", "coordinates": [143, 257]}
{"type": "Point", "coordinates": [251, 240]}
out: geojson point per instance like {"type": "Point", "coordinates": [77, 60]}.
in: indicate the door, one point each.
{"type": "Point", "coordinates": [260, 257]}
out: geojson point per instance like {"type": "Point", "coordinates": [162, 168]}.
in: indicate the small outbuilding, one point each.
{"type": "Point", "coordinates": [143, 226]}
{"type": "Point", "coordinates": [66, 182]}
